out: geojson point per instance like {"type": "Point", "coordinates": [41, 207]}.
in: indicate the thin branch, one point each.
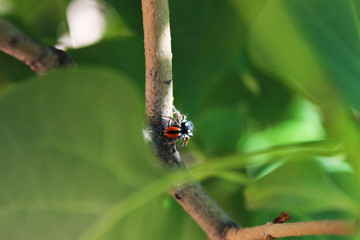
{"type": "Point", "coordinates": [159, 102]}
{"type": "Point", "coordinates": [35, 54]}
{"type": "Point", "coordinates": [325, 227]}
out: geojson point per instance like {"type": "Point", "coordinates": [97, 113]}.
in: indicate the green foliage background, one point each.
{"type": "Point", "coordinates": [272, 88]}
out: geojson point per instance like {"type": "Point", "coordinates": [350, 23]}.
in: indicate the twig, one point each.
{"type": "Point", "coordinates": [35, 54]}
{"type": "Point", "coordinates": [159, 102]}
{"type": "Point", "coordinates": [159, 93]}
{"type": "Point", "coordinates": [325, 227]}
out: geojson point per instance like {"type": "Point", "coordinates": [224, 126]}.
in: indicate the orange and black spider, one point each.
{"type": "Point", "coordinates": [179, 128]}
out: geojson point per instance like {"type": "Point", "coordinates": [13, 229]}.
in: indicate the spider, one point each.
{"type": "Point", "coordinates": [179, 128]}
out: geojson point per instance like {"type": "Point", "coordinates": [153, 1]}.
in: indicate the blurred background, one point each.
{"type": "Point", "coordinates": [272, 88]}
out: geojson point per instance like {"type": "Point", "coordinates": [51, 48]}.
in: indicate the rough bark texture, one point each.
{"type": "Point", "coordinates": [159, 102]}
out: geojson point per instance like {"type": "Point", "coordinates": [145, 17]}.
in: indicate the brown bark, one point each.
{"type": "Point", "coordinates": [325, 227]}
{"type": "Point", "coordinates": [35, 54]}
{"type": "Point", "coordinates": [159, 103]}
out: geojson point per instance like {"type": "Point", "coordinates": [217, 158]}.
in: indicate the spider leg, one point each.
{"type": "Point", "coordinates": [173, 142]}
{"type": "Point", "coordinates": [176, 120]}
{"type": "Point", "coordinates": [179, 116]}
{"type": "Point", "coordinates": [185, 140]}
{"type": "Point", "coordinates": [175, 110]}
{"type": "Point", "coordinates": [171, 119]}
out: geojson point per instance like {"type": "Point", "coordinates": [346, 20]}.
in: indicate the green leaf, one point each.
{"type": "Point", "coordinates": [333, 34]}
{"type": "Point", "coordinates": [279, 45]}
{"type": "Point", "coordinates": [312, 44]}
{"type": "Point", "coordinates": [71, 149]}
{"type": "Point", "coordinates": [161, 219]}
{"type": "Point", "coordinates": [130, 11]}
{"type": "Point", "coordinates": [205, 41]}
{"type": "Point", "coordinates": [299, 186]}
{"type": "Point", "coordinates": [14, 70]}
{"type": "Point", "coordinates": [247, 88]}
{"type": "Point", "coordinates": [222, 138]}
{"type": "Point", "coordinates": [124, 53]}
{"type": "Point", "coordinates": [42, 21]}
{"type": "Point", "coordinates": [304, 125]}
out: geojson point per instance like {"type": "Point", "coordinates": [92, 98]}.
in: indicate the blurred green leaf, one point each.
{"type": "Point", "coordinates": [40, 19]}
{"type": "Point", "coordinates": [299, 186]}
{"type": "Point", "coordinates": [205, 41]}
{"type": "Point", "coordinates": [311, 43]}
{"type": "Point", "coordinates": [72, 148]}
{"type": "Point", "coordinates": [231, 176]}
{"type": "Point", "coordinates": [341, 173]}
{"type": "Point", "coordinates": [125, 54]}
{"type": "Point", "coordinates": [14, 71]}
{"type": "Point", "coordinates": [333, 34]}
{"type": "Point", "coordinates": [157, 221]}
{"type": "Point", "coordinates": [248, 10]}
{"type": "Point", "coordinates": [247, 87]}
{"type": "Point", "coordinates": [278, 44]}
{"type": "Point", "coordinates": [130, 11]}
{"type": "Point", "coordinates": [220, 129]}
{"type": "Point", "coordinates": [271, 96]}
{"type": "Point", "coordinates": [304, 125]}
{"type": "Point", "coordinates": [238, 65]}
{"type": "Point", "coordinates": [212, 70]}
{"type": "Point", "coordinates": [271, 155]}
{"type": "Point", "coordinates": [317, 60]}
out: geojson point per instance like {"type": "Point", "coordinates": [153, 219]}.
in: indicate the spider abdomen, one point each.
{"type": "Point", "coordinates": [172, 132]}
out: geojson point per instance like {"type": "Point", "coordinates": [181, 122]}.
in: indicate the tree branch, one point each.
{"type": "Point", "coordinates": [159, 102]}
{"type": "Point", "coordinates": [325, 227]}
{"type": "Point", "coordinates": [35, 54]}
{"type": "Point", "coordinates": [191, 196]}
